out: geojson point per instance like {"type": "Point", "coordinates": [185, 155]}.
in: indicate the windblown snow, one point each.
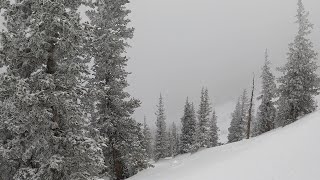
{"type": "Point", "coordinates": [289, 153]}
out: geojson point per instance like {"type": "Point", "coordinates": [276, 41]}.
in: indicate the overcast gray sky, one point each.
{"type": "Point", "coordinates": [181, 45]}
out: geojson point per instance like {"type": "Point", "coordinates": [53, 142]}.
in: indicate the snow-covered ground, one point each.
{"type": "Point", "coordinates": [289, 153]}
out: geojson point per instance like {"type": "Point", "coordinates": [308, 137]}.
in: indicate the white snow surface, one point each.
{"type": "Point", "coordinates": [289, 153]}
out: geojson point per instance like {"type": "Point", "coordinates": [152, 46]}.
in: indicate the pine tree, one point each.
{"type": "Point", "coordinates": [298, 85]}
{"type": "Point", "coordinates": [214, 130]}
{"type": "Point", "coordinates": [124, 152]}
{"type": "Point", "coordinates": [196, 143]}
{"type": "Point", "coordinates": [255, 128]}
{"type": "Point", "coordinates": [169, 143]}
{"type": "Point", "coordinates": [160, 149]}
{"type": "Point", "coordinates": [174, 142]}
{"type": "Point", "coordinates": [236, 126]}
{"type": "Point", "coordinates": [136, 158]}
{"type": "Point", "coordinates": [188, 138]}
{"type": "Point", "coordinates": [147, 139]}
{"type": "Point", "coordinates": [267, 111]}
{"type": "Point", "coordinates": [204, 119]}
{"type": "Point", "coordinates": [244, 107]}
{"type": "Point", "coordinates": [178, 143]}
{"type": "Point", "coordinates": [254, 120]}
{"type": "Point", "coordinates": [44, 127]}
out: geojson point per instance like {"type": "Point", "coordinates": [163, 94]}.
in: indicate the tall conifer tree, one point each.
{"type": "Point", "coordinates": [147, 139]}
{"type": "Point", "coordinates": [236, 126]}
{"type": "Point", "coordinates": [204, 119]}
{"type": "Point", "coordinates": [188, 138]}
{"type": "Point", "coordinates": [214, 130]}
{"type": "Point", "coordinates": [44, 132]}
{"type": "Point", "coordinates": [244, 108]}
{"type": "Point", "coordinates": [160, 149]}
{"type": "Point", "coordinates": [267, 111]}
{"type": "Point", "coordinates": [124, 152]}
{"type": "Point", "coordinates": [174, 142]}
{"type": "Point", "coordinates": [298, 84]}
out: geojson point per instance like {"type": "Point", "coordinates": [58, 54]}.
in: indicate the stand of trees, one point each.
{"type": "Point", "coordinates": [60, 120]}
{"type": "Point", "coordinates": [280, 106]}
{"type": "Point", "coordinates": [298, 86]}
{"type": "Point", "coordinates": [201, 132]}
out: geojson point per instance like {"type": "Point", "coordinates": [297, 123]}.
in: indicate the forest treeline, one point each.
{"type": "Point", "coordinates": [282, 101]}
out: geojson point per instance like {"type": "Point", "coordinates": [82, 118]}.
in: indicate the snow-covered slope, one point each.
{"type": "Point", "coordinates": [289, 153]}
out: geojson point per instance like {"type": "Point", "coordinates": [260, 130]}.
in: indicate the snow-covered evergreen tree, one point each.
{"type": "Point", "coordinates": [196, 143]}
{"type": "Point", "coordinates": [204, 119]}
{"type": "Point", "coordinates": [147, 139]}
{"type": "Point", "coordinates": [136, 158]}
{"type": "Point", "coordinates": [255, 128]}
{"type": "Point", "coordinates": [239, 120]}
{"type": "Point", "coordinates": [160, 149]}
{"type": "Point", "coordinates": [44, 132]}
{"type": "Point", "coordinates": [178, 143]}
{"type": "Point", "coordinates": [188, 138]}
{"type": "Point", "coordinates": [214, 130]}
{"type": "Point", "coordinates": [253, 125]}
{"type": "Point", "coordinates": [267, 111]}
{"type": "Point", "coordinates": [298, 85]}
{"type": "Point", "coordinates": [236, 126]}
{"type": "Point", "coordinates": [174, 142]}
{"type": "Point", "coordinates": [168, 143]}
{"type": "Point", "coordinates": [244, 107]}
{"type": "Point", "coordinates": [124, 152]}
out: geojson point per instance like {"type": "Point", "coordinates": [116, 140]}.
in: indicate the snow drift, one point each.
{"type": "Point", "coordinates": [289, 153]}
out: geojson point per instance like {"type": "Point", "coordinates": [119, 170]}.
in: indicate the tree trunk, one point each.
{"type": "Point", "coordinates": [118, 165]}
{"type": "Point", "coordinates": [51, 69]}
{"type": "Point", "coordinates": [51, 63]}
{"type": "Point", "coordinates": [250, 111]}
